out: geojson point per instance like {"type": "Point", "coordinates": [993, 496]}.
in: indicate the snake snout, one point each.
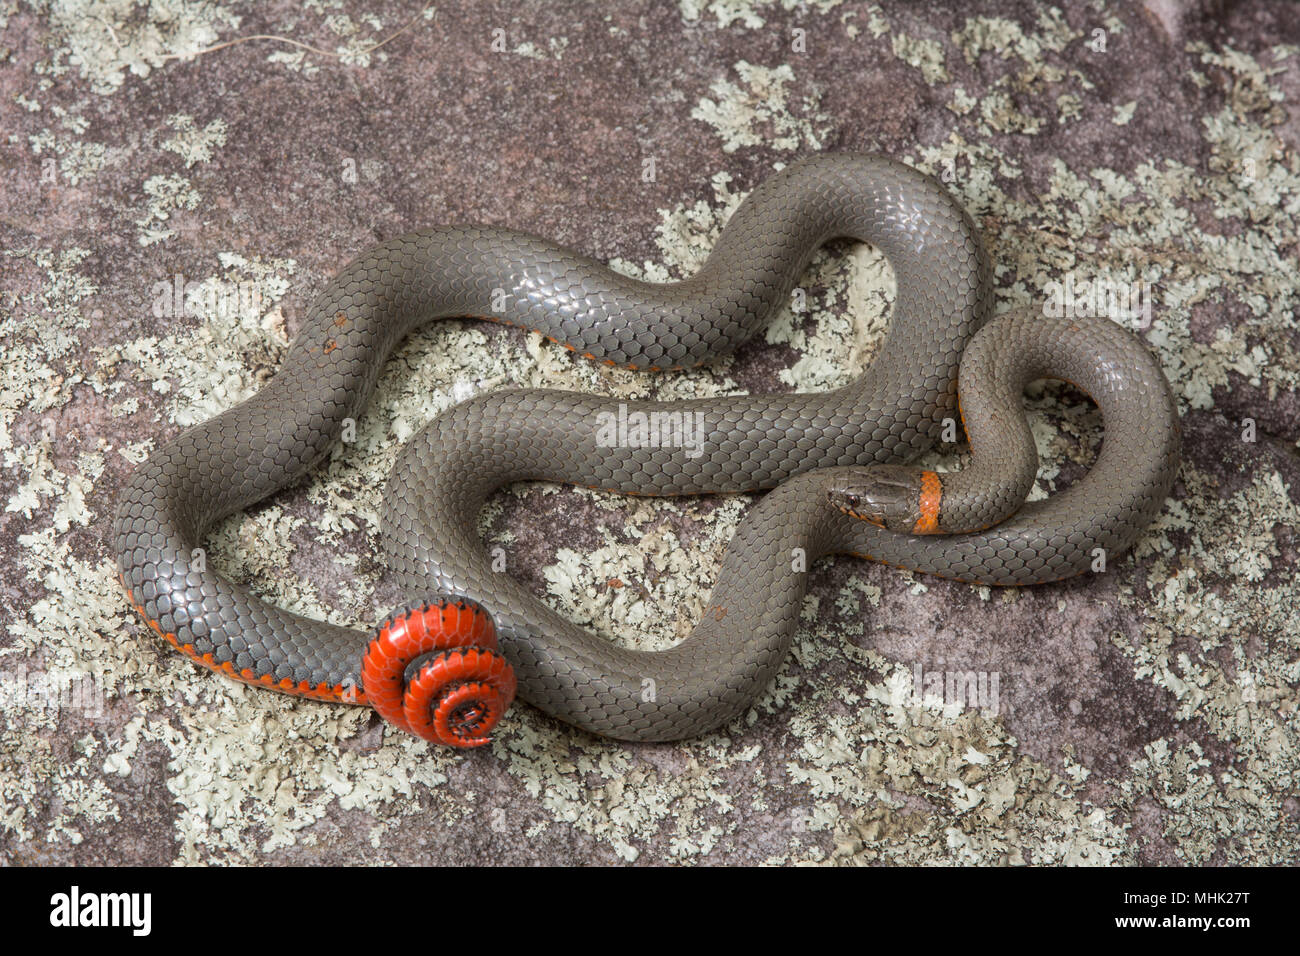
{"type": "Point", "coordinates": [434, 670]}
{"type": "Point", "coordinates": [885, 495]}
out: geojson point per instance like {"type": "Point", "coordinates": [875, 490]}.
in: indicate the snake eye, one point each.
{"type": "Point", "coordinates": [845, 501]}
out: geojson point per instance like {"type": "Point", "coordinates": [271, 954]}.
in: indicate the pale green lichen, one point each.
{"type": "Point", "coordinates": [295, 60]}
{"type": "Point", "coordinates": [746, 13]}
{"type": "Point", "coordinates": [103, 40]}
{"type": "Point", "coordinates": [167, 194]}
{"type": "Point", "coordinates": [77, 161]}
{"type": "Point", "coordinates": [926, 55]}
{"type": "Point", "coordinates": [192, 144]}
{"type": "Point", "coordinates": [555, 47]}
{"type": "Point", "coordinates": [760, 112]}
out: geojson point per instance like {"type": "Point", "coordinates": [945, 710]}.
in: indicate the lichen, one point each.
{"type": "Point", "coordinates": [103, 40]}
{"type": "Point", "coordinates": [192, 144]}
{"type": "Point", "coordinates": [759, 112]}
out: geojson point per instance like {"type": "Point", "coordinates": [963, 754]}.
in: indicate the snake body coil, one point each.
{"type": "Point", "coordinates": [824, 451]}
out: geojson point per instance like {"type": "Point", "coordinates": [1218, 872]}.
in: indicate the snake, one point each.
{"type": "Point", "coordinates": [836, 464]}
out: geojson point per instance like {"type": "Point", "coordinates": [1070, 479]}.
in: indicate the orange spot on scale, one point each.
{"type": "Point", "coordinates": [322, 691]}
{"type": "Point", "coordinates": [931, 494]}
{"type": "Point", "coordinates": [869, 519]}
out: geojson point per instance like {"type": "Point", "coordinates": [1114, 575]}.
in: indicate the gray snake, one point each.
{"type": "Point", "coordinates": [834, 458]}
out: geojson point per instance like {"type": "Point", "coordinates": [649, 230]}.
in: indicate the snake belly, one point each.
{"type": "Point", "coordinates": [804, 443]}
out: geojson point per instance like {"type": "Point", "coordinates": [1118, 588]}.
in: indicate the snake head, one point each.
{"type": "Point", "coordinates": [885, 495]}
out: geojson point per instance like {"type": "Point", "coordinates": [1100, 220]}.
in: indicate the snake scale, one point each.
{"type": "Point", "coordinates": [836, 459]}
